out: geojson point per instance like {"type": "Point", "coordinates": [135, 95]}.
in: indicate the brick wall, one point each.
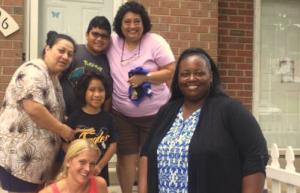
{"type": "Point", "coordinates": [185, 23]}
{"type": "Point", "coordinates": [235, 48]}
{"type": "Point", "coordinates": [11, 47]}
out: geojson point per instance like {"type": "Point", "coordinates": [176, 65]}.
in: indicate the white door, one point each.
{"type": "Point", "coordinates": [64, 16]}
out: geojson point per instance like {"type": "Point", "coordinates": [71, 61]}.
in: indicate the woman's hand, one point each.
{"type": "Point", "coordinates": [137, 80]}
{"type": "Point", "coordinates": [67, 133]}
{"type": "Point", "coordinates": [45, 120]}
{"type": "Point", "coordinates": [97, 170]}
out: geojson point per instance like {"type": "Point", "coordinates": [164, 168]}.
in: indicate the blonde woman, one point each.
{"type": "Point", "coordinates": [77, 172]}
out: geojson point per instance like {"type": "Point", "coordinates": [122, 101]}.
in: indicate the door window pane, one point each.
{"type": "Point", "coordinates": [279, 100]}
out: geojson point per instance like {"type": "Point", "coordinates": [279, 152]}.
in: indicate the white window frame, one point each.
{"type": "Point", "coordinates": [31, 26]}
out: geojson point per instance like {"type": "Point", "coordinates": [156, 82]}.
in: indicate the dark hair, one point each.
{"type": "Point", "coordinates": [215, 88]}
{"type": "Point", "coordinates": [83, 84]}
{"type": "Point", "coordinates": [137, 8]}
{"type": "Point", "coordinates": [53, 37]}
{"type": "Point", "coordinates": [99, 22]}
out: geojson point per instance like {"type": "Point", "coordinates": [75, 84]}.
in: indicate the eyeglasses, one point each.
{"type": "Point", "coordinates": [103, 36]}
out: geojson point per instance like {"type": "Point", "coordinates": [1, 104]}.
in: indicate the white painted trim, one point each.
{"type": "Point", "coordinates": [31, 29]}
{"type": "Point", "coordinates": [256, 58]}
{"type": "Point", "coordinates": [31, 26]}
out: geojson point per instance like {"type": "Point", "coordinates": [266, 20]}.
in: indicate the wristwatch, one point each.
{"type": "Point", "coordinates": [148, 75]}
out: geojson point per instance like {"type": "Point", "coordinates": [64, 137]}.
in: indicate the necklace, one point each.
{"type": "Point", "coordinates": [131, 58]}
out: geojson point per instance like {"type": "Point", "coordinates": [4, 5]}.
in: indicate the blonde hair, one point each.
{"type": "Point", "coordinates": [75, 148]}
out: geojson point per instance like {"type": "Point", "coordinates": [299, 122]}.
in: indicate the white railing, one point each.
{"type": "Point", "coordinates": [279, 178]}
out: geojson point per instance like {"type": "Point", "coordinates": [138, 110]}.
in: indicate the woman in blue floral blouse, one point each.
{"type": "Point", "coordinates": [202, 141]}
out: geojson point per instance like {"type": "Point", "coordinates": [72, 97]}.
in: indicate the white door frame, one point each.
{"type": "Point", "coordinates": [256, 58]}
{"type": "Point", "coordinates": [31, 26]}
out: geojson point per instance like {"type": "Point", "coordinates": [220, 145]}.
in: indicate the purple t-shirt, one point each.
{"type": "Point", "coordinates": [152, 54]}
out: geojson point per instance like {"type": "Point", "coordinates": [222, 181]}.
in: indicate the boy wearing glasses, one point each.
{"type": "Point", "coordinates": [88, 57]}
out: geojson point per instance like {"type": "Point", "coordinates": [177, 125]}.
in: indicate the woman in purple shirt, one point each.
{"type": "Point", "coordinates": [142, 64]}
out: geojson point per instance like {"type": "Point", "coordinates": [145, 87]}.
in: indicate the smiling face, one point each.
{"type": "Point", "coordinates": [82, 166]}
{"type": "Point", "coordinates": [94, 95]}
{"type": "Point", "coordinates": [97, 40]}
{"type": "Point", "coordinates": [59, 56]}
{"type": "Point", "coordinates": [194, 79]}
{"type": "Point", "coordinates": [132, 27]}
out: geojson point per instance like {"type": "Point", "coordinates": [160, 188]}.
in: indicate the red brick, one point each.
{"type": "Point", "coordinates": [9, 70]}
{"type": "Point", "coordinates": [237, 5]}
{"type": "Point", "coordinates": [223, 18]}
{"type": "Point", "coordinates": [154, 19]}
{"type": "Point", "coordinates": [245, 12]}
{"type": "Point", "coordinates": [13, 2]}
{"type": "Point", "coordinates": [11, 53]}
{"type": "Point", "coordinates": [228, 25]}
{"type": "Point", "coordinates": [199, 29]}
{"type": "Point", "coordinates": [223, 32]}
{"type": "Point", "coordinates": [189, 20]}
{"type": "Point", "coordinates": [179, 43]}
{"type": "Point", "coordinates": [236, 46]}
{"type": "Point", "coordinates": [199, 13]}
{"type": "Point", "coordinates": [179, 28]}
{"type": "Point", "coordinates": [235, 86]}
{"type": "Point", "coordinates": [227, 52]}
{"type": "Point", "coordinates": [149, 3]}
{"type": "Point", "coordinates": [223, 4]}
{"type": "Point", "coordinates": [159, 11]}
{"type": "Point", "coordinates": [8, 9]}
{"type": "Point", "coordinates": [188, 36]}
{"type": "Point", "coordinates": [17, 45]}
{"type": "Point", "coordinates": [229, 79]}
{"type": "Point", "coordinates": [213, 29]}
{"type": "Point", "coordinates": [236, 59]}
{"type": "Point", "coordinates": [228, 12]}
{"type": "Point", "coordinates": [5, 44]}
{"type": "Point", "coordinates": [235, 18]}
{"type": "Point", "coordinates": [208, 37]}
{"type": "Point", "coordinates": [190, 4]}
{"type": "Point", "coordinates": [160, 27]}
{"type": "Point", "coordinates": [5, 79]}
{"type": "Point", "coordinates": [228, 65]}
{"type": "Point", "coordinates": [210, 22]}
{"type": "Point", "coordinates": [180, 12]}
{"type": "Point", "coordinates": [169, 4]}
{"type": "Point", "coordinates": [170, 35]}
{"type": "Point", "coordinates": [199, 44]}
{"type": "Point", "coordinates": [244, 53]}
{"type": "Point", "coordinates": [169, 19]}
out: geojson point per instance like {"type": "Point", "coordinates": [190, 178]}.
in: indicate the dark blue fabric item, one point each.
{"type": "Point", "coordinates": [137, 94]}
{"type": "Point", "coordinates": [14, 184]}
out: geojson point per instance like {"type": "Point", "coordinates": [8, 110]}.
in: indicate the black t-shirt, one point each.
{"type": "Point", "coordinates": [98, 127]}
{"type": "Point", "coordinates": [83, 62]}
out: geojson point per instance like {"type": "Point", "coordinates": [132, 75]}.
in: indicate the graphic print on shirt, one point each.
{"type": "Point", "coordinates": [81, 70]}
{"type": "Point", "coordinates": [98, 136]}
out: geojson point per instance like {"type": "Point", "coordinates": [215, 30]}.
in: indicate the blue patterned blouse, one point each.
{"type": "Point", "coordinates": [172, 154]}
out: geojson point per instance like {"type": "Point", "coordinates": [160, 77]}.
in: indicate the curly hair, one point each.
{"type": "Point", "coordinates": [215, 89]}
{"type": "Point", "coordinates": [136, 8]}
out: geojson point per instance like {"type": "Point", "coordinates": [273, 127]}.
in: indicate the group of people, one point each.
{"type": "Point", "coordinates": [121, 92]}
